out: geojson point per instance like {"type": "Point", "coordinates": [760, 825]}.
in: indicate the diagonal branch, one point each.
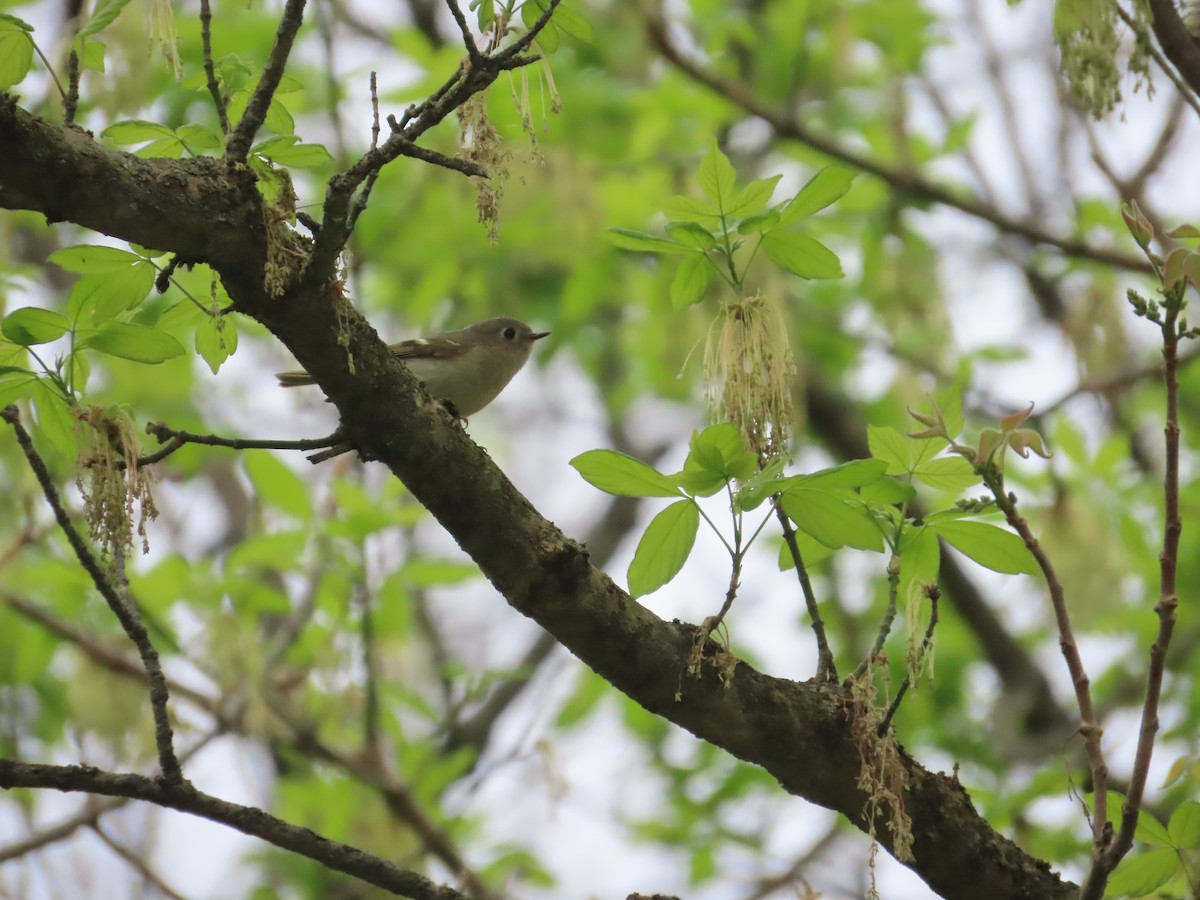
{"type": "Point", "coordinates": [126, 613]}
{"type": "Point", "coordinates": [1178, 44]}
{"type": "Point", "coordinates": [903, 181]}
{"type": "Point", "coordinates": [238, 147]}
{"type": "Point", "coordinates": [182, 796]}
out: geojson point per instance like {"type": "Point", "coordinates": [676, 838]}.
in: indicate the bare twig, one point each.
{"type": "Point", "coordinates": [71, 101]}
{"type": "Point", "coordinates": [885, 625]}
{"type": "Point", "coordinates": [175, 438]}
{"type": "Point", "coordinates": [826, 668]}
{"type": "Point", "coordinates": [136, 862]}
{"type": "Point", "coordinates": [126, 613]}
{"type": "Point", "coordinates": [182, 796]}
{"type": "Point", "coordinates": [238, 147]}
{"type": "Point", "coordinates": [1168, 601]}
{"type": "Point", "coordinates": [210, 73]}
{"type": "Point", "coordinates": [468, 39]}
{"type": "Point", "coordinates": [1089, 726]}
{"type": "Point", "coordinates": [934, 594]}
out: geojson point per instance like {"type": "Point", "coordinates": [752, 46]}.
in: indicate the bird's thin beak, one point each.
{"type": "Point", "coordinates": [538, 335]}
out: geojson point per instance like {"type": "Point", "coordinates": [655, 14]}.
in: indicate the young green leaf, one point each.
{"type": "Point", "coordinates": [759, 223]}
{"type": "Point", "coordinates": [1184, 827]}
{"type": "Point", "coordinates": [137, 131]}
{"type": "Point", "coordinates": [920, 556]}
{"type": "Point", "coordinates": [692, 209]}
{"type": "Point", "coordinates": [87, 259]}
{"type": "Point", "coordinates": [691, 281]}
{"type": "Point", "coordinates": [621, 474]}
{"type": "Point", "coordinates": [753, 197]}
{"type": "Point", "coordinates": [946, 473]}
{"type": "Point", "coordinates": [664, 548]}
{"type": "Point", "coordinates": [55, 419]}
{"type": "Point", "coordinates": [715, 458]}
{"type": "Point", "coordinates": [802, 255]}
{"type": "Point", "coordinates": [29, 326]}
{"type": "Point", "coordinates": [717, 178]}
{"type": "Point", "coordinates": [139, 343]}
{"type": "Point", "coordinates": [16, 50]}
{"type": "Point", "coordinates": [1143, 873]}
{"type": "Point", "coordinates": [105, 14]}
{"type": "Point", "coordinates": [628, 239]}
{"type": "Point", "coordinates": [216, 340]}
{"type": "Point", "coordinates": [853, 474]}
{"type": "Point", "coordinates": [989, 545]}
{"type": "Point", "coordinates": [109, 293]}
{"type": "Point", "coordinates": [887, 491]}
{"type": "Point", "coordinates": [691, 235]}
{"type": "Point", "coordinates": [901, 453]}
{"type": "Point", "coordinates": [829, 185]}
{"type": "Point", "coordinates": [831, 520]}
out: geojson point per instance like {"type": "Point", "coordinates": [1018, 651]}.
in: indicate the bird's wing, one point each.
{"type": "Point", "coordinates": [428, 348]}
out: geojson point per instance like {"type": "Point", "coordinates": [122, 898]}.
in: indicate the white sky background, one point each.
{"type": "Point", "coordinates": [572, 820]}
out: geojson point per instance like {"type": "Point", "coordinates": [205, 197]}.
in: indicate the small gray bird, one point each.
{"type": "Point", "coordinates": [467, 368]}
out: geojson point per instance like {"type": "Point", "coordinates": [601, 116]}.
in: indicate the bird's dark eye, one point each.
{"type": "Point", "coordinates": [510, 333]}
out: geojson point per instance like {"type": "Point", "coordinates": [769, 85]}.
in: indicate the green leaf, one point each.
{"type": "Point", "coordinates": [139, 343]}
{"type": "Point", "coordinates": [569, 21]}
{"type": "Point", "coordinates": [716, 457]}
{"type": "Point", "coordinates": [664, 548]}
{"type": "Point", "coordinates": [753, 197]}
{"type": "Point", "coordinates": [16, 386]}
{"type": "Point", "coordinates": [801, 255]}
{"type": "Point", "coordinates": [1184, 826]}
{"type": "Point", "coordinates": [853, 474]}
{"type": "Point", "coordinates": [166, 148]}
{"type": "Point", "coordinates": [1143, 873]}
{"type": "Point", "coordinates": [199, 137]}
{"type": "Point", "coordinates": [759, 223]}
{"type": "Point", "coordinates": [56, 422]}
{"type": "Point", "coordinates": [288, 151]}
{"type": "Point", "coordinates": [691, 281]}
{"type": "Point", "coordinates": [992, 547]}
{"type": "Point", "coordinates": [829, 185]}
{"type": "Point", "coordinates": [830, 519]}
{"type": "Point", "coordinates": [621, 474]}
{"type": "Point", "coordinates": [717, 178]}
{"type": "Point", "coordinates": [628, 239]}
{"type": "Point", "coordinates": [93, 258]}
{"type": "Point", "coordinates": [216, 340]}
{"type": "Point", "coordinates": [29, 326]}
{"type": "Point", "coordinates": [901, 453]}
{"type": "Point", "coordinates": [92, 56]}
{"type": "Point", "coordinates": [760, 485]}
{"type": "Point", "coordinates": [589, 690]}
{"type": "Point", "coordinates": [692, 209]}
{"type": "Point", "coordinates": [137, 131]}
{"type": "Point", "coordinates": [278, 486]}
{"type": "Point", "coordinates": [105, 14]}
{"type": "Point", "coordinates": [691, 235]}
{"type": "Point", "coordinates": [278, 119]}
{"type": "Point", "coordinates": [946, 473]}
{"type": "Point", "coordinates": [920, 556]}
{"type": "Point", "coordinates": [887, 491]}
{"type": "Point", "coordinates": [16, 50]}
{"type": "Point", "coordinates": [110, 293]}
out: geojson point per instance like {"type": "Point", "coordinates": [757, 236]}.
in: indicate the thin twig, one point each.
{"type": "Point", "coordinates": [1179, 45]}
{"type": "Point", "coordinates": [826, 668]}
{"type": "Point", "coordinates": [364, 196]}
{"type": "Point", "coordinates": [1165, 608]}
{"type": "Point", "coordinates": [126, 614]}
{"type": "Point", "coordinates": [210, 72]}
{"type": "Point", "coordinates": [934, 594]}
{"type": "Point", "coordinates": [1089, 726]}
{"type": "Point", "coordinates": [885, 625]}
{"type": "Point", "coordinates": [238, 147]}
{"type": "Point", "coordinates": [182, 796]}
{"type": "Point", "coordinates": [135, 861]}
{"type": "Point", "coordinates": [176, 438]}
{"type": "Point", "coordinates": [468, 39]}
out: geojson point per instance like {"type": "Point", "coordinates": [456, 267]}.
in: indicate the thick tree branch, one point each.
{"type": "Point", "coordinates": [183, 797]}
{"type": "Point", "coordinates": [1178, 44]}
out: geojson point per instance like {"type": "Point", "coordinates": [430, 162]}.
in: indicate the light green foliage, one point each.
{"type": "Point", "coordinates": [640, 206]}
